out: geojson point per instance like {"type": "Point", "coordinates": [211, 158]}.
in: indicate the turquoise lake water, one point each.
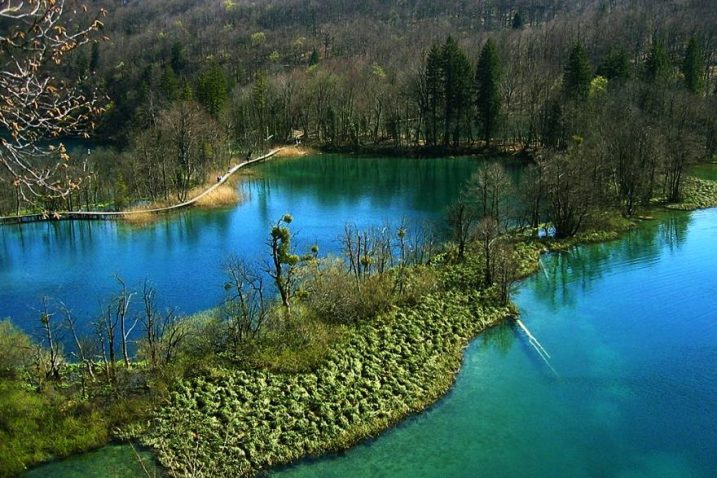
{"type": "Point", "coordinates": [631, 328]}
{"type": "Point", "coordinates": [74, 262]}
{"type": "Point", "coordinates": [630, 389]}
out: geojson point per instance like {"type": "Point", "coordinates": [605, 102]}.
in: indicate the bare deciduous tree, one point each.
{"type": "Point", "coordinates": [50, 366]}
{"type": "Point", "coordinates": [80, 344]}
{"type": "Point", "coordinates": [35, 104]}
{"type": "Point", "coordinates": [505, 269]}
{"type": "Point", "coordinates": [162, 330]}
{"type": "Point", "coordinates": [487, 232]}
{"type": "Point", "coordinates": [245, 308]}
{"type": "Point", "coordinates": [461, 219]}
{"type": "Point", "coordinates": [121, 309]}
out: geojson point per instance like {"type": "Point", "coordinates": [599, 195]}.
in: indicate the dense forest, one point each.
{"type": "Point", "coordinates": [625, 88]}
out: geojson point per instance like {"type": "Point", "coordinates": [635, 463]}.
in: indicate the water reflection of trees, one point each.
{"type": "Point", "coordinates": [563, 274]}
{"type": "Point", "coordinates": [426, 184]}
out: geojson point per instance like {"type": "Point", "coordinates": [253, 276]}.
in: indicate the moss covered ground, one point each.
{"type": "Point", "coordinates": [698, 194]}
{"type": "Point", "coordinates": [238, 422]}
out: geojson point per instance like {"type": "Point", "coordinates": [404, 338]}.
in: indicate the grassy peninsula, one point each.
{"type": "Point", "coordinates": [238, 422]}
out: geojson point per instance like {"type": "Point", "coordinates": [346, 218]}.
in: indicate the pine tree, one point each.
{"type": "Point", "coordinates": [578, 74]}
{"type": "Point", "coordinates": [169, 84]}
{"type": "Point", "coordinates": [457, 85]}
{"type": "Point", "coordinates": [615, 65]}
{"type": "Point", "coordinates": [260, 103]}
{"type": "Point", "coordinates": [657, 65]}
{"type": "Point", "coordinates": [518, 21]}
{"type": "Point", "coordinates": [212, 90]}
{"type": "Point", "coordinates": [314, 58]}
{"type": "Point", "coordinates": [488, 101]}
{"type": "Point", "coordinates": [462, 95]}
{"type": "Point", "coordinates": [435, 94]}
{"type": "Point", "coordinates": [693, 67]}
{"type": "Point", "coordinates": [178, 57]}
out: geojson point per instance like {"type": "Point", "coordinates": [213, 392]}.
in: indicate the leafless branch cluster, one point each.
{"type": "Point", "coordinates": [35, 103]}
{"type": "Point", "coordinates": [246, 307]}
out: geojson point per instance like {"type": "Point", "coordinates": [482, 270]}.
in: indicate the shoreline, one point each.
{"type": "Point", "coordinates": [442, 385]}
{"type": "Point", "coordinates": [307, 415]}
{"type": "Point", "coordinates": [319, 435]}
{"type": "Point", "coordinates": [531, 251]}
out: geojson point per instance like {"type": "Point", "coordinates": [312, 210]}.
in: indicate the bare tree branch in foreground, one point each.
{"type": "Point", "coordinates": [35, 104]}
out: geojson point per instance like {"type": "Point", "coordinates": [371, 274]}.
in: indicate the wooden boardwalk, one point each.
{"type": "Point", "coordinates": [105, 215]}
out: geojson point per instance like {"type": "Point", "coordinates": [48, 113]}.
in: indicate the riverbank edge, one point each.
{"type": "Point", "coordinates": [473, 312]}
{"type": "Point", "coordinates": [413, 151]}
{"type": "Point", "coordinates": [147, 214]}
{"type": "Point", "coordinates": [442, 384]}
{"type": "Point", "coordinates": [437, 389]}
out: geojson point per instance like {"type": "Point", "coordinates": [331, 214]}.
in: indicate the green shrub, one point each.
{"type": "Point", "coordinates": [295, 345]}
{"type": "Point", "coordinates": [38, 426]}
{"type": "Point", "coordinates": [334, 295]}
{"type": "Point", "coordinates": [15, 349]}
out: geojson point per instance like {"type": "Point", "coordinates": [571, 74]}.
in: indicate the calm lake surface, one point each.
{"type": "Point", "coordinates": [74, 262]}
{"type": "Point", "coordinates": [631, 328]}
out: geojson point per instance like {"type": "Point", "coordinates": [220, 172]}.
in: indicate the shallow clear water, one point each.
{"type": "Point", "coordinates": [631, 327]}
{"type": "Point", "coordinates": [112, 461]}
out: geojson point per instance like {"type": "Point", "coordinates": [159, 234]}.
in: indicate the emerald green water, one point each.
{"type": "Point", "coordinates": [631, 328]}
{"type": "Point", "coordinates": [112, 461]}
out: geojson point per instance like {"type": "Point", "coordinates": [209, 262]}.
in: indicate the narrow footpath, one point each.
{"type": "Point", "coordinates": [104, 215]}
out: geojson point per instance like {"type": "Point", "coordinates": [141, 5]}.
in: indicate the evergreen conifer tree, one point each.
{"type": "Point", "coordinates": [615, 65]}
{"type": "Point", "coordinates": [518, 21]}
{"type": "Point", "coordinates": [212, 90]}
{"type": "Point", "coordinates": [693, 67]}
{"type": "Point", "coordinates": [657, 65]}
{"type": "Point", "coordinates": [434, 92]}
{"type": "Point", "coordinates": [578, 74]}
{"type": "Point", "coordinates": [457, 76]}
{"type": "Point", "coordinates": [488, 100]}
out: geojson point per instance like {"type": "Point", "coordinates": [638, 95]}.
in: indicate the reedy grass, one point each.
{"type": "Point", "coordinates": [294, 152]}
{"type": "Point", "coordinates": [698, 194]}
{"type": "Point", "coordinates": [222, 196]}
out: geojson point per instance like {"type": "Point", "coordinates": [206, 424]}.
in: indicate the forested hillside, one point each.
{"type": "Point", "coordinates": [366, 55]}
{"type": "Point", "coordinates": [394, 74]}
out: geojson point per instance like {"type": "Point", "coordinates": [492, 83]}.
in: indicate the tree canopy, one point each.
{"type": "Point", "coordinates": [578, 73]}
{"type": "Point", "coordinates": [693, 67]}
